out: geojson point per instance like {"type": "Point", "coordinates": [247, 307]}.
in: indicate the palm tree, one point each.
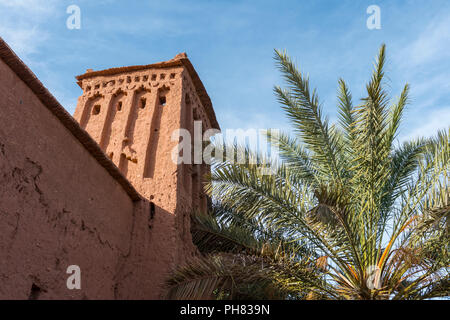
{"type": "Point", "coordinates": [349, 213]}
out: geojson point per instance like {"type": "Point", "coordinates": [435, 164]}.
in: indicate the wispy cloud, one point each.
{"type": "Point", "coordinates": [21, 22]}
{"type": "Point", "coordinates": [425, 62]}
{"type": "Point", "coordinates": [432, 45]}
{"type": "Point", "coordinates": [429, 124]}
{"type": "Point", "coordinates": [25, 40]}
{"type": "Point", "coordinates": [35, 6]}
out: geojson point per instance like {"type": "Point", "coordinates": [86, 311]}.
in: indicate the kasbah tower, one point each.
{"type": "Point", "coordinates": [100, 189]}
{"type": "Point", "coordinates": [133, 113]}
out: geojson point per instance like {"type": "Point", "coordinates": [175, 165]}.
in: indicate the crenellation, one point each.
{"type": "Point", "coordinates": [103, 84]}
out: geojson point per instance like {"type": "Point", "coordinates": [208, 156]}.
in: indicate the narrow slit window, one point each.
{"type": "Point", "coordinates": [162, 100]}
{"type": "Point", "coordinates": [152, 214]}
{"type": "Point", "coordinates": [152, 210]}
{"type": "Point", "coordinates": [143, 102]}
{"type": "Point", "coordinates": [119, 106]}
{"type": "Point", "coordinates": [34, 293]}
{"type": "Point", "coordinates": [96, 109]}
{"type": "Point", "coordinates": [196, 114]}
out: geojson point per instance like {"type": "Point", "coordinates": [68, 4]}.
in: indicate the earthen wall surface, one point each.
{"type": "Point", "coordinates": [58, 206]}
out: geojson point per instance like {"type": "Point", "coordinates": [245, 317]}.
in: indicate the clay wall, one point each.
{"type": "Point", "coordinates": [58, 205]}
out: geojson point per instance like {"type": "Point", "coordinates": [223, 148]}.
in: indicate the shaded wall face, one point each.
{"type": "Point", "coordinates": [192, 177]}
{"type": "Point", "coordinates": [58, 206]}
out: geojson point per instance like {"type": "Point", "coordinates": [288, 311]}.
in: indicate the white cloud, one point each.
{"type": "Point", "coordinates": [23, 41]}
{"type": "Point", "coordinates": [428, 124]}
{"type": "Point", "coordinates": [21, 23]}
{"type": "Point", "coordinates": [425, 64]}
{"type": "Point", "coordinates": [34, 6]}
{"type": "Point", "coordinates": [431, 45]}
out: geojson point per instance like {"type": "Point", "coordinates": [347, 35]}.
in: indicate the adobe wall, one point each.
{"type": "Point", "coordinates": [59, 206]}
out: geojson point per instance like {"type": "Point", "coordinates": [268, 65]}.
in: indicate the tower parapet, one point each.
{"type": "Point", "coordinates": [132, 113]}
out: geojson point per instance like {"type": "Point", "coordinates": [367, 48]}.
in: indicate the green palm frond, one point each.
{"type": "Point", "coordinates": [303, 109]}
{"type": "Point", "coordinates": [295, 157]}
{"type": "Point", "coordinates": [346, 117]}
{"type": "Point", "coordinates": [210, 235]}
{"type": "Point", "coordinates": [395, 116]}
{"type": "Point", "coordinates": [220, 274]}
{"type": "Point", "coordinates": [237, 276]}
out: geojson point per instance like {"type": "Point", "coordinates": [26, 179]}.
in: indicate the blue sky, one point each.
{"type": "Point", "coordinates": [231, 45]}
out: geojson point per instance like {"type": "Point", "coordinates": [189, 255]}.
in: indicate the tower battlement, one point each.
{"type": "Point", "coordinates": [132, 113]}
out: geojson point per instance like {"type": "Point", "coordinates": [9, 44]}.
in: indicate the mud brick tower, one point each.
{"type": "Point", "coordinates": [132, 113]}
